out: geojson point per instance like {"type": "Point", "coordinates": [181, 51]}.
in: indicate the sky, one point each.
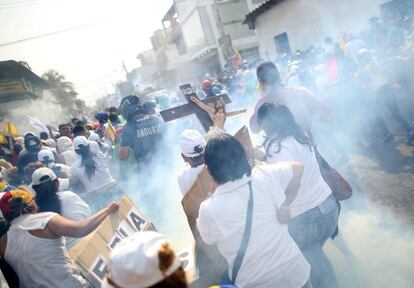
{"type": "Point", "coordinates": [114, 31]}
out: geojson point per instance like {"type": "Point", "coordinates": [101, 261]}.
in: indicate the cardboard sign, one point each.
{"type": "Point", "coordinates": [91, 254]}
{"type": "Point", "coordinates": [244, 138]}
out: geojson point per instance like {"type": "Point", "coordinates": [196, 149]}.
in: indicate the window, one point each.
{"type": "Point", "coordinates": [193, 31]}
{"type": "Point", "coordinates": [282, 44]}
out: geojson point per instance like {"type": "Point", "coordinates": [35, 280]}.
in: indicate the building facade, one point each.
{"type": "Point", "coordinates": [213, 30]}
{"type": "Point", "coordinates": [287, 25]}
{"type": "Point", "coordinates": [18, 84]}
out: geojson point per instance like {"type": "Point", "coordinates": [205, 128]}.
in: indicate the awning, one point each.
{"type": "Point", "coordinates": [250, 18]}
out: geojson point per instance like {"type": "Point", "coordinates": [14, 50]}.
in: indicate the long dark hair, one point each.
{"type": "Point", "coordinates": [281, 124]}
{"type": "Point", "coordinates": [87, 160]}
{"type": "Point", "coordinates": [47, 198]}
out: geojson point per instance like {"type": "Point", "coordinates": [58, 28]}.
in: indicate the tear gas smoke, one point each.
{"type": "Point", "coordinates": [46, 109]}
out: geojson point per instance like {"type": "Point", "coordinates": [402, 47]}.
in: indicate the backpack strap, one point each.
{"type": "Point", "coordinates": [246, 236]}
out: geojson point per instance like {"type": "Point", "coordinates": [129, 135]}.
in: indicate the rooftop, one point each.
{"type": "Point", "coordinates": [14, 70]}
{"type": "Point", "coordinates": [251, 17]}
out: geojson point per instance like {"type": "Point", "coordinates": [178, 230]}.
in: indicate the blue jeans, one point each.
{"type": "Point", "coordinates": [310, 231]}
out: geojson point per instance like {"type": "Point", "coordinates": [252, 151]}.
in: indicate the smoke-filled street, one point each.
{"type": "Point", "coordinates": [207, 143]}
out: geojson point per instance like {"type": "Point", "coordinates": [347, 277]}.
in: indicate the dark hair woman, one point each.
{"type": "Point", "coordinates": [34, 245]}
{"type": "Point", "coordinates": [87, 160]}
{"type": "Point", "coordinates": [91, 171]}
{"type": "Point", "coordinates": [244, 202]}
{"type": "Point", "coordinates": [314, 211]}
{"type": "Point", "coordinates": [49, 199]}
{"type": "Point", "coordinates": [278, 123]}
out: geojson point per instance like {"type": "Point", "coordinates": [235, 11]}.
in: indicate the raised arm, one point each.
{"type": "Point", "coordinates": [61, 226]}
{"type": "Point", "coordinates": [202, 105]}
{"type": "Point", "coordinates": [237, 112]}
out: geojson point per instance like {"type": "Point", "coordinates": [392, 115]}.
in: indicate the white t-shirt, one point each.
{"type": "Point", "coordinates": [272, 258]}
{"type": "Point", "coordinates": [69, 157]}
{"type": "Point", "coordinates": [62, 167]}
{"type": "Point", "coordinates": [100, 181]}
{"type": "Point", "coordinates": [188, 177]}
{"type": "Point", "coordinates": [313, 190]}
{"type": "Point", "coordinates": [73, 208]}
{"type": "Point", "coordinates": [40, 262]}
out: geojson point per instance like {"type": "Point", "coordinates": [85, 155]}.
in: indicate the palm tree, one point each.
{"type": "Point", "coordinates": [63, 90]}
{"type": "Point", "coordinates": [57, 81]}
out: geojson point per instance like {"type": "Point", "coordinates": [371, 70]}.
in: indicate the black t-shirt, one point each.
{"type": "Point", "coordinates": [144, 136]}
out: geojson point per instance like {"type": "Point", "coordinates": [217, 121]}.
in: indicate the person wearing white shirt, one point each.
{"type": "Point", "coordinates": [272, 258]}
{"type": "Point", "coordinates": [192, 146]}
{"type": "Point", "coordinates": [49, 199]}
{"type": "Point", "coordinates": [66, 152]}
{"type": "Point", "coordinates": [314, 212]}
{"type": "Point", "coordinates": [92, 170]}
{"type": "Point", "coordinates": [47, 158]}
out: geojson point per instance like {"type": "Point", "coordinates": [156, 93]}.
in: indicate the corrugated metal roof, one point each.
{"type": "Point", "coordinates": [250, 18]}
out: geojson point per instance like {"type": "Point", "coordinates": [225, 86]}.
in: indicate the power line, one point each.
{"type": "Point", "coordinates": [28, 3]}
{"type": "Point", "coordinates": [50, 33]}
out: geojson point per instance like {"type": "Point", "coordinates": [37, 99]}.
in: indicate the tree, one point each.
{"type": "Point", "coordinates": [63, 90]}
{"type": "Point", "coordinates": [57, 81]}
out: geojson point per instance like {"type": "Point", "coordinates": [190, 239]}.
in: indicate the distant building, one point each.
{"type": "Point", "coordinates": [18, 84]}
{"type": "Point", "coordinates": [148, 68]}
{"type": "Point", "coordinates": [283, 26]}
{"type": "Point", "coordinates": [213, 30]}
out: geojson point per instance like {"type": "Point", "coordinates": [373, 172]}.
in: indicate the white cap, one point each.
{"type": "Point", "coordinates": [45, 155]}
{"type": "Point", "coordinates": [80, 140]}
{"type": "Point", "coordinates": [41, 172]}
{"type": "Point", "coordinates": [134, 261]}
{"type": "Point", "coordinates": [94, 137]}
{"type": "Point", "coordinates": [192, 143]}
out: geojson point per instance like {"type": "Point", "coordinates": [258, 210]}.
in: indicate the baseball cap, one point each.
{"type": "Point", "coordinates": [80, 141]}
{"type": "Point", "coordinates": [45, 155]}
{"type": "Point", "coordinates": [192, 143]}
{"type": "Point", "coordinates": [40, 173]}
{"type": "Point", "coordinates": [134, 262]}
{"type": "Point", "coordinates": [94, 137]}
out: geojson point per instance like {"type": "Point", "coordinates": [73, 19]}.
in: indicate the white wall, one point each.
{"type": "Point", "coordinates": [309, 22]}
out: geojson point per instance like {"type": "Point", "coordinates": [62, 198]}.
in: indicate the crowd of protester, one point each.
{"type": "Point", "coordinates": [269, 222]}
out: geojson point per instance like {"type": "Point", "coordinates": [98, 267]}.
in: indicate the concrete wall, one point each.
{"type": "Point", "coordinates": [309, 22]}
